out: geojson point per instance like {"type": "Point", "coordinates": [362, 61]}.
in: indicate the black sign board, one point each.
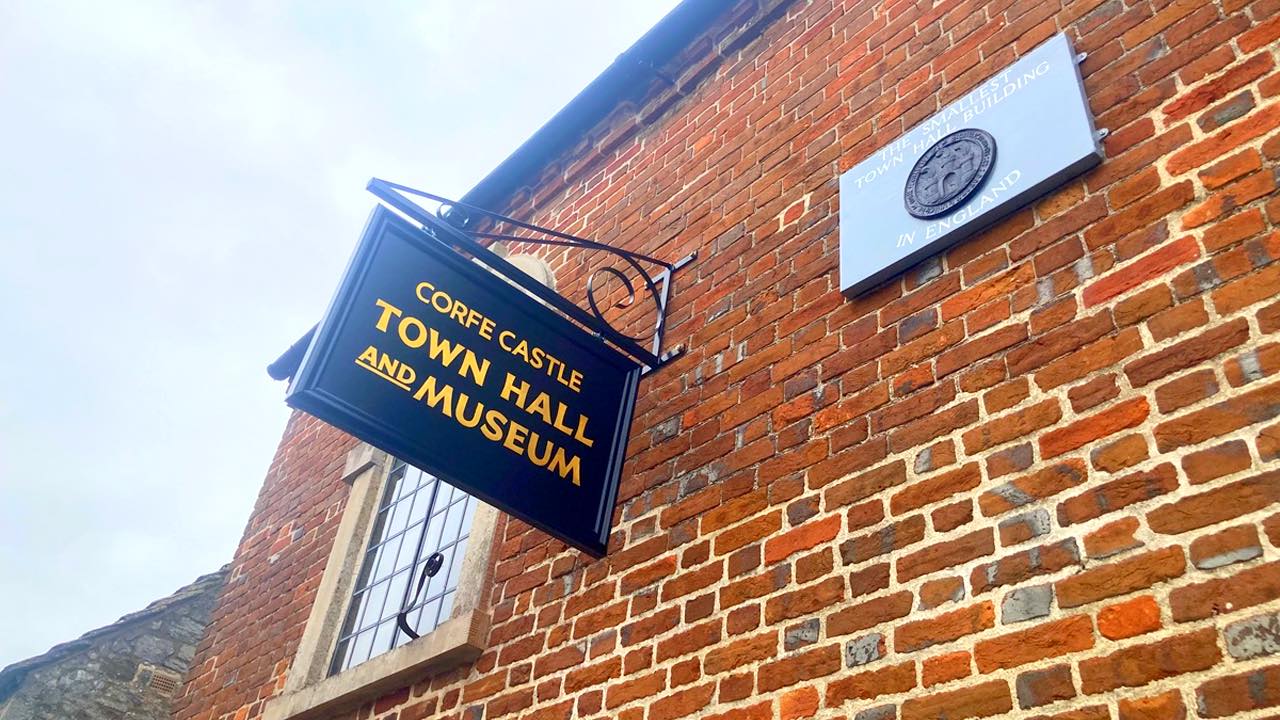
{"type": "Point", "coordinates": [446, 365]}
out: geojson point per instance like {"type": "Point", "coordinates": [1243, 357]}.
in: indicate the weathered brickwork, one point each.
{"type": "Point", "coordinates": [1035, 475]}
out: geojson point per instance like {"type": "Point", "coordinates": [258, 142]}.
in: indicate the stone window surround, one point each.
{"type": "Point", "coordinates": [309, 691]}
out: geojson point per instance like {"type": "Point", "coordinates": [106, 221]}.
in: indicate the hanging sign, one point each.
{"type": "Point", "coordinates": [444, 364]}
{"type": "Point", "coordinates": [1021, 133]}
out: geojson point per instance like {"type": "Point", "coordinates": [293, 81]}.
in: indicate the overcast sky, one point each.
{"type": "Point", "coordinates": [182, 183]}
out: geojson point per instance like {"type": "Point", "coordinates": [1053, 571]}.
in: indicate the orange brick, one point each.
{"type": "Point", "coordinates": [1129, 618]}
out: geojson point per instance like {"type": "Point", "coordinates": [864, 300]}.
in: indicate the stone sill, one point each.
{"type": "Point", "coordinates": [455, 642]}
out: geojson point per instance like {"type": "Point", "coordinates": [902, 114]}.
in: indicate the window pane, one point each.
{"type": "Point", "coordinates": [403, 538]}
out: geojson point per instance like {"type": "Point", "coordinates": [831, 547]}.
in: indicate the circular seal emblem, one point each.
{"type": "Point", "coordinates": [949, 173]}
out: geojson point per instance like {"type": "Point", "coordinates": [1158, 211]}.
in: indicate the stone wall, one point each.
{"type": "Point", "coordinates": [130, 669]}
{"type": "Point", "coordinates": [1035, 476]}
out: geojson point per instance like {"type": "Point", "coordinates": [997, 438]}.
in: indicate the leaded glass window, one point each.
{"type": "Point", "coordinates": [402, 539]}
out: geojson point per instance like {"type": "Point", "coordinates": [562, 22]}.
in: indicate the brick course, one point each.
{"type": "Point", "coordinates": [1081, 399]}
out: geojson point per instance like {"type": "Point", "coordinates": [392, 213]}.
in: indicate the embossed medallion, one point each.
{"type": "Point", "coordinates": [949, 173]}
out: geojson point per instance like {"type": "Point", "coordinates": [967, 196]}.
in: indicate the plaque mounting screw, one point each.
{"type": "Point", "coordinates": [1080, 57]}
{"type": "Point", "coordinates": [1102, 133]}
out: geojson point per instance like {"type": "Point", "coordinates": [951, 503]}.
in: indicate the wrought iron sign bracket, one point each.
{"type": "Point", "coordinates": [462, 226]}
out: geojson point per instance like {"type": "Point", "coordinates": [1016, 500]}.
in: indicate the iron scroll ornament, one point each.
{"type": "Point", "coordinates": [455, 222]}
{"type": "Point", "coordinates": [950, 172]}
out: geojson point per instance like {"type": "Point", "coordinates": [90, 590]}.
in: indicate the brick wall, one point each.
{"type": "Point", "coordinates": [1035, 475]}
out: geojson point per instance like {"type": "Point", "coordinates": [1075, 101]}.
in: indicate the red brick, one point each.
{"type": "Point", "coordinates": [869, 580]}
{"type": "Point", "coordinates": [1233, 545]}
{"type": "Point", "coordinates": [804, 601]}
{"type": "Point", "coordinates": [808, 665]}
{"type": "Point", "coordinates": [1023, 565]}
{"type": "Point", "coordinates": [740, 652]}
{"type": "Point", "coordinates": [799, 703]}
{"type": "Point", "coordinates": [1213, 506]}
{"type": "Point", "coordinates": [1247, 588]}
{"type": "Point", "coordinates": [1121, 578]}
{"type": "Point", "coordinates": [1165, 706]}
{"type": "Point", "coordinates": [1043, 687]}
{"type": "Point", "coordinates": [871, 684]}
{"type": "Point", "coordinates": [1233, 694]}
{"type": "Point", "coordinates": [1059, 342]}
{"type": "Point", "coordinates": [945, 668]}
{"type": "Point", "coordinates": [1099, 425]}
{"type": "Point", "coordinates": [1147, 268]}
{"type": "Point", "coordinates": [682, 703]}
{"type": "Point", "coordinates": [806, 536]}
{"type": "Point", "coordinates": [1093, 393]}
{"type": "Point", "coordinates": [1186, 390]}
{"type": "Point", "coordinates": [1029, 488]}
{"type": "Point", "coordinates": [1118, 494]}
{"type": "Point", "coordinates": [1046, 640]}
{"type": "Point", "coordinates": [883, 541]}
{"type": "Point", "coordinates": [1130, 618]}
{"type": "Point", "coordinates": [1247, 290]}
{"type": "Point", "coordinates": [1221, 418]}
{"type": "Point", "coordinates": [920, 634]}
{"type": "Point", "coordinates": [1125, 452]}
{"type": "Point", "coordinates": [1217, 461]}
{"type": "Point", "coordinates": [1095, 356]}
{"type": "Point", "coordinates": [1207, 93]}
{"type": "Point", "coordinates": [1142, 305]}
{"type": "Point", "coordinates": [950, 517]}
{"type": "Point", "coordinates": [1112, 539]}
{"type": "Point", "coordinates": [946, 554]}
{"type": "Point", "coordinates": [1138, 665]}
{"type": "Point", "coordinates": [985, 700]}
{"type": "Point", "coordinates": [941, 591]}
{"type": "Point", "coordinates": [935, 488]}
{"type": "Point", "coordinates": [1218, 144]}
{"type": "Point", "coordinates": [868, 614]}
{"type": "Point", "coordinates": [1011, 426]}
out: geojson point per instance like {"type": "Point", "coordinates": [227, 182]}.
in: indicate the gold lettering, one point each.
{"type": "Point", "coordinates": [541, 405]}
{"type": "Point", "coordinates": [387, 311]}
{"type": "Point", "coordinates": [463, 420]}
{"type": "Point", "coordinates": [581, 433]}
{"type": "Point", "coordinates": [515, 436]}
{"type": "Point", "coordinates": [559, 465]}
{"type": "Point", "coordinates": [420, 331]}
{"type": "Point", "coordinates": [519, 388]}
{"type": "Point", "coordinates": [441, 347]}
{"type": "Point", "coordinates": [493, 422]}
{"type": "Point", "coordinates": [443, 395]}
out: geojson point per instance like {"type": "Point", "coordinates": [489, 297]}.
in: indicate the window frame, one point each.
{"type": "Point", "coordinates": [309, 690]}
